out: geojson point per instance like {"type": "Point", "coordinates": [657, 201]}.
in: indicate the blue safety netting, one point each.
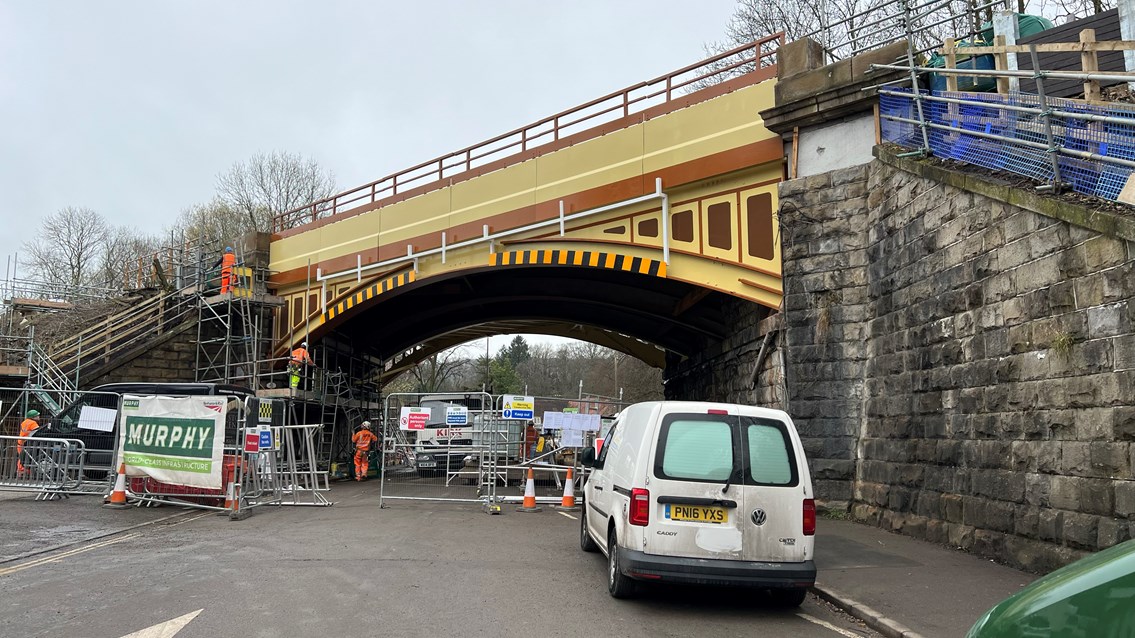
{"type": "Point", "coordinates": [964, 140]}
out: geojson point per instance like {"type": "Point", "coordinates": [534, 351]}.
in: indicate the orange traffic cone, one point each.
{"type": "Point", "coordinates": [118, 496]}
{"type": "Point", "coordinates": [529, 504]}
{"type": "Point", "coordinates": [568, 504]}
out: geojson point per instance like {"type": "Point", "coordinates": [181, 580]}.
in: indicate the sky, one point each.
{"type": "Point", "coordinates": [133, 108]}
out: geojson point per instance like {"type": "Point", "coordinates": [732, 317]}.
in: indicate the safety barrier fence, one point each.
{"type": "Point", "coordinates": [72, 449]}
{"type": "Point", "coordinates": [49, 467]}
{"type": "Point", "coordinates": [1088, 148]}
{"type": "Point", "coordinates": [513, 145]}
{"type": "Point", "coordinates": [487, 460]}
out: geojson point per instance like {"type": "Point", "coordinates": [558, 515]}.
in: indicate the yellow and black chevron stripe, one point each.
{"type": "Point", "coordinates": [370, 292]}
{"type": "Point", "coordinates": [587, 258]}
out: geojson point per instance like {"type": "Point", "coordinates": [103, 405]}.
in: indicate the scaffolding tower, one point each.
{"type": "Point", "coordinates": [234, 336]}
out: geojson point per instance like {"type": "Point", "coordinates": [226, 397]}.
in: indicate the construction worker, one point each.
{"type": "Point", "coordinates": [299, 358]}
{"type": "Point", "coordinates": [29, 425]}
{"type": "Point", "coordinates": [228, 260]}
{"type": "Point", "coordinates": [531, 436]}
{"type": "Point", "coordinates": [363, 440]}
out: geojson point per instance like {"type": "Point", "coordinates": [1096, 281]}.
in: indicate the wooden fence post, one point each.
{"type": "Point", "coordinates": [1090, 64]}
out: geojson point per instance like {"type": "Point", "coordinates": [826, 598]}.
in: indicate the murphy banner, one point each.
{"type": "Point", "coordinates": [175, 440]}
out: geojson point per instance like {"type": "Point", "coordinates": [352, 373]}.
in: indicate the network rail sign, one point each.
{"type": "Point", "coordinates": [175, 440]}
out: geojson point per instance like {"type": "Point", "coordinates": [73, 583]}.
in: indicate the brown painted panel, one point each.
{"type": "Point", "coordinates": [616, 230]}
{"type": "Point", "coordinates": [720, 227]}
{"type": "Point", "coordinates": [648, 228]}
{"type": "Point", "coordinates": [759, 209]}
{"type": "Point", "coordinates": [683, 227]}
{"type": "Point", "coordinates": [297, 311]}
{"type": "Point", "coordinates": [312, 302]}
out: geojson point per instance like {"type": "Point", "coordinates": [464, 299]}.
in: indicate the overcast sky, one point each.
{"type": "Point", "coordinates": [134, 108]}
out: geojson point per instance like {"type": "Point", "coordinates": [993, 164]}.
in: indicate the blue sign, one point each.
{"type": "Point", "coordinates": [266, 440]}
{"type": "Point", "coordinates": [456, 415]}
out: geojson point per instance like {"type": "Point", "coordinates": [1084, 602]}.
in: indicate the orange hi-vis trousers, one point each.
{"type": "Point", "coordinates": [361, 464]}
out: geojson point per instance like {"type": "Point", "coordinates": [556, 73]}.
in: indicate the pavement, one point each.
{"type": "Point", "coordinates": [903, 587]}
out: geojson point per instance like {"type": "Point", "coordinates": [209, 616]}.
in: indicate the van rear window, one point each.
{"type": "Point", "coordinates": [697, 450]}
{"type": "Point", "coordinates": [714, 448]}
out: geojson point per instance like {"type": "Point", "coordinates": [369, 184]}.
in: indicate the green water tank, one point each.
{"type": "Point", "coordinates": [1026, 24]}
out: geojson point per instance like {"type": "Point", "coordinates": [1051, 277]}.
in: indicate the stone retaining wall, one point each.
{"type": "Point", "coordinates": [961, 368]}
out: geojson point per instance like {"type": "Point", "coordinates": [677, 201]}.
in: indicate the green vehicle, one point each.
{"type": "Point", "coordinates": [1091, 598]}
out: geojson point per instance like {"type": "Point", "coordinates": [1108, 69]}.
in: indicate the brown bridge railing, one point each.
{"type": "Point", "coordinates": [633, 99]}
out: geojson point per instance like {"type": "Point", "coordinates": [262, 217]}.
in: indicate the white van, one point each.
{"type": "Point", "coordinates": [702, 493]}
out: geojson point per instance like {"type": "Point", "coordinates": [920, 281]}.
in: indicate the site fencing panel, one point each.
{"type": "Point", "coordinates": [487, 459]}
{"type": "Point", "coordinates": [73, 449]}
{"type": "Point", "coordinates": [437, 446]}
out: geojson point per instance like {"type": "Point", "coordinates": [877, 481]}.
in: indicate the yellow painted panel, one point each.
{"type": "Point", "coordinates": [647, 240]}
{"type": "Point", "coordinates": [729, 248]}
{"type": "Point", "coordinates": [773, 264]}
{"type": "Point", "coordinates": [595, 162]}
{"type": "Point", "coordinates": [693, 212]}
{"type": "Point", "coordinates": [421, 215]}
{"type": "Point", "coordinates": [721, 124]}
{"type": "Point", "coordinates": [491, 194]}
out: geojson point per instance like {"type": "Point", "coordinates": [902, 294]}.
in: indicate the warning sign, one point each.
{"type": "Point", "coordinates": [517, 407]}
{"type": "Point", "coordinates": [413, 418]}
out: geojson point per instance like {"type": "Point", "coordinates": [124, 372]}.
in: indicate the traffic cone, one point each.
{"type": "Point", "coordinates": [568, 504]}
{"type": "Point", "coordinates": [529, 504]}
{"type": "Point", "coordinates": [118, 496]}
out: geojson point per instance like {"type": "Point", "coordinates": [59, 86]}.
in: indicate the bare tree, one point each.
{"type": "Point", "coordinates": [437, 372]}
{"type": "Point", "coordinates": [67, 249]}
{"type": "Point", "coordinates": [120, 251]}
{"type": "Point", "coordinates": [269, 184]}
{"type": "Point", "coordinates": [843, 27]}
{"type": "Point", "coordinates": [217, 222]}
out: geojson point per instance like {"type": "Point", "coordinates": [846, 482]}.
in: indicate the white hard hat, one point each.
{"type": "Point", "coordinates": [366, 424]}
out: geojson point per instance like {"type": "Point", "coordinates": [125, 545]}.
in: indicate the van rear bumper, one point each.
{"type": "Point", "coordinates": [707, 571]}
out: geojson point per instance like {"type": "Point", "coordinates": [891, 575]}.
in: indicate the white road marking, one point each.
{"type": "Point", "coordinates": [167, 629]}
{"type": "Point", "coordinates": [52, 559]}
{"type": "Point", "coordinates": [567, 515]}
{"type": "Point", "coordinates": [828, 625]}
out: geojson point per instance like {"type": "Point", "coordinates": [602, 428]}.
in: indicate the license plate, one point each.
{"type": "Point", "coordinates": [427, 464]}
{"type": "Point", "coordinates": [696, 514]}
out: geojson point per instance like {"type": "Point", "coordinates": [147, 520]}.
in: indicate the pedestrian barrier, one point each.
{"type": "Point", "coordinates": [50, 467]}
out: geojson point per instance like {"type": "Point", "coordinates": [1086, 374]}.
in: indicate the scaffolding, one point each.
{"type": "Point", "coordinates": [234, 340]}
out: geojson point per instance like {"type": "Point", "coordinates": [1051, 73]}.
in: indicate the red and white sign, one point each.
{"type": "Point", "coordinates": [413, 418]}
{"type": "Point", "coordinates": [252, 443]}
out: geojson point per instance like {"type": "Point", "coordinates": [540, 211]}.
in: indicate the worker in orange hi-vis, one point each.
{"type": "Point", "coordinates": [363, 439]}
{"type": "Point", "coordinates": [300, 357]}
{"type": "Point", "coordinates": [29, 425]}
{"type": "Point", "coordinates": [228, 260]}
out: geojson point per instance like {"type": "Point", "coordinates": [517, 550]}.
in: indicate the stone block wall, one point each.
{"type": "Point", "coordinates": [962, 369]}
{"type": "Point", "coordinates": [172, 358]}
{"type": "Point", "coordinates": [723, 371]}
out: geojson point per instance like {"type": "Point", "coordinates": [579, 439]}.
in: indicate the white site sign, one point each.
{"type": "Point", "coordinates": [175, 440]}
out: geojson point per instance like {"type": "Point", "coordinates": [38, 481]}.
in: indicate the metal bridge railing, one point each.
{"type": "Point", "coordinates": [637, 98]}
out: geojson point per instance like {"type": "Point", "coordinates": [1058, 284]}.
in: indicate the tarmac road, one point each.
{"type": "Point", "coordinates": [411, 569]}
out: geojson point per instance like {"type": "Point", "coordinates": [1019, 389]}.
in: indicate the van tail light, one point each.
{"type": "Point", "coordinates": [809, 517]}
{"type": "Point", "coordinates": [640, 506]}
{"type": "Point", "coordinates": [716, 411]}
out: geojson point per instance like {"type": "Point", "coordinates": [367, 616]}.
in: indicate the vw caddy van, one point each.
{"type": "Point", "coordinates": [702, 493]}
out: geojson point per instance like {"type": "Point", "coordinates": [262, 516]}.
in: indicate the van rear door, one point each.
{"type": "Point", "coordinates": [694, 471]}
{"type": "Point", "coordinates": [770, 478]}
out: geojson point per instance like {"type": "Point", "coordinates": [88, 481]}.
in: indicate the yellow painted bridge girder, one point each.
{"type": "Point", "coordinates": [718, 166]}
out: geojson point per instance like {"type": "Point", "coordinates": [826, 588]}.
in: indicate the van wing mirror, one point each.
{"type": "Point", "coordinates": [588, 457]}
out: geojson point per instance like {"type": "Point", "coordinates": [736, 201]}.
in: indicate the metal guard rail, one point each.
{"type": "Point", "coordinates": [758, 53]}
{"type": "Point", "coordinates": [50, 464]}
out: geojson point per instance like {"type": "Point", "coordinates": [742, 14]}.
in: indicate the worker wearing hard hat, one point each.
{"type": "Point", "coordinates": [228, 261]}
{"type": "Point", "coordinates": [363, 439]}
{"type": "Point", "coordinates": [29, 425]}
{"type": "Point", "coordinates": [300, 357]}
